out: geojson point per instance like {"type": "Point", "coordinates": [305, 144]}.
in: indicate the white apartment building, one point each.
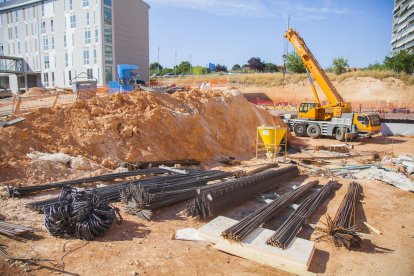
{"type": "Point", "coordinates": [60, 39]}
{"type": "Point", "coordinates": [403, 26]}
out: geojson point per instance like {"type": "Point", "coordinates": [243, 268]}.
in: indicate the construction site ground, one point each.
{"type": "Point", "coordinates": [138, 247]}
{"type": "Point", "coordinates": [148, 248]}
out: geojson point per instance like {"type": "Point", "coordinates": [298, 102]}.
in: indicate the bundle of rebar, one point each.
{"type": "Point", "coordinates": [240, 230]}
{"type": "Point", "coordinates": [284, 235]}
{"type": "Point", "coordinates": [150, 164]}
{"type": "Point", "coordinates": [111, 193]}
{"type": "Point", "coordinates": [29, 189]}
{"type": "Point", "coordinates": [13, 230]}
{"type": "Point", "coordinates": [214, 199]}
{"type": "Point", "coordinates": [343, 228]}
{"type": "Point", "coordinates": [142, 199]}
{"type": "Point", "coordinates": [84, 214]}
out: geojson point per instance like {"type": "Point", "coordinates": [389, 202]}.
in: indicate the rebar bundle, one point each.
{"type": "Point", "coordinates": [343, 228]}
{"type": "Point", "coordinates": [288, 230]}
{"type": "Point", "coordinates": [163, 183]}
{"type": "Point", "coordinates": [13, 230]}
{"type": "Point", "coordinates": [26, 190]}
{"type": "Point", "coordinates": [81, 213]}
{"type": "Point", "coordinates": [142, 199]}
{"type": "Point", "coordinates": [216, 198]}
{"type": "Point", "coordinates": [247, 225]}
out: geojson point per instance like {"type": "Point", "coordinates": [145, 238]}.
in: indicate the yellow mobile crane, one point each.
{"type": "Point", "coordinates": [333, 119]}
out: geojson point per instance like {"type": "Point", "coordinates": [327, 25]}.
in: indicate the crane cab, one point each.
{"type": "Point", "coordinates": [367, 123]}
{"type": "Point", "coordinates": [311, 111]}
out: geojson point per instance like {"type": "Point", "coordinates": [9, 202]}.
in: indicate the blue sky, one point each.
{"type": "Point", "coordinates": [232, 31]}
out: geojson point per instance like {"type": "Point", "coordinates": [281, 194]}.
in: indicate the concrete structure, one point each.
{"type": "Point", "coordinates": [60, 39]}
{"type": "Point", "coordinates": [403, 26]}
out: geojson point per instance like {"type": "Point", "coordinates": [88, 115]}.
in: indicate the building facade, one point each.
{"type": "Point", "coordinates": [403, 26]}
{"type": "Point", "coordinates": [63, 40]}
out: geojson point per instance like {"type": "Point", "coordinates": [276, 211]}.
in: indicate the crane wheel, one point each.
{"type": "Point", "coordinates": [300, 130]}
{"type": "Point", "coordinates": [340, 134]}
{"type": "Point", "coordinates": [314, 131]}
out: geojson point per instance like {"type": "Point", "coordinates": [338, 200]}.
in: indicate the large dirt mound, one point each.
{"type": "Point", "coordinates": [137, 127]}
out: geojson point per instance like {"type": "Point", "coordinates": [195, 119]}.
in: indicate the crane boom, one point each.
{"type": "Point", "coordinates": [311, 64]}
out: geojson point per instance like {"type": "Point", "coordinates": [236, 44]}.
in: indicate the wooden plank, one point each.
{"type": "Point", "coordinates": [295, 259]}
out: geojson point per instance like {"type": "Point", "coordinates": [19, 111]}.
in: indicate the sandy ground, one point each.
{"type": "Point", "coordinates": [142, 247]}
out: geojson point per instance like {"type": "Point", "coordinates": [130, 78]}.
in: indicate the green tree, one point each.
{"type": "Point", "coordinates": [402, 61]}
{"type": "Point", "coordinates": [166, 71]}
{"type": "Point", "coordinates": [339, 65]}
{"type": "Point", "coordinates": [155, 65]}
{"type": "Point", "coordinates": [376, 66]}
{"type": "Point", "coordinates": [184, 68]}
{"type": "Point", "coordinates": [256, 64]}
{"type": "Point", "coordinates": [221, 68]}
{"type": "Point", "coordinates": [236, 68]}
{"type": "Point", "coordinates": [294, 63]}
{"type": "Point", "coordinates": [270, 68]}
{"type": "Point", "coordinates": [199, 70]}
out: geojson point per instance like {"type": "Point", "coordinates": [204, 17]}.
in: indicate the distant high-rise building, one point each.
{"type": "Point", "coordinates": [60, 39]}
{"type": "Point", "coordinates": [403, 26]}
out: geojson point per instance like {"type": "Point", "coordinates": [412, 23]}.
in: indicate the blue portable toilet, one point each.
{"type": "Point", "coordinates": [126, 77]}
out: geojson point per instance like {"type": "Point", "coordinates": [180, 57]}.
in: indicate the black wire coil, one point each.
{"type": "Point", "coordinates": [84, 214]}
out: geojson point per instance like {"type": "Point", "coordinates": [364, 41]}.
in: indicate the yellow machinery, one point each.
{"type": "Point", "coordinates": [334, 119]}
{"type": "Point", "coordinates": [271, 139]}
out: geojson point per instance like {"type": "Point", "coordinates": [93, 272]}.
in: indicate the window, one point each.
{"type": "Point", "coordinates": [108, 35]}
{"type": "Point", "coordinates": [89, 72]}
{"type": "Point", "coordinates": [24, 14]}
{"type": "Point", "coordinates": [87, 19]}
{"type": "Point", "coordinates": [34, 11]}
{"type": "Point", "coordinates": [65, 41]}
{"type": "Point", "coordinates": [43, 27]}
{"type": "Point", "coordinates": [85, 57]}
{"type": "Point", "coordinates": [108, 54]}
{"type": "Point", "coordinates": [85, 3]}
{"type": "Point", "coordinates": [18, 48]}
{"type": "Point", "coordinates": [10, 32]}
{"type": "Point", "coordinates": [53, 43]}
{"type": "Point", "coordinates": [73, 21]}
{"type": "Point", "coordinates": [43, 9]}
{"type": "Point", "coordinates": [96, 35]}
{"type": "Point", "coordinates": [17, 16]}
{"type": "Point", "coordinates": [1, 50]}
{"type": "Point", "coordinates": [52, 27]}
{"type": "Point", "coordinates": [70, 4]}
{"type": "Point", "coordinates": [107, 16]}
{"type": "Point", "coordinates": [88, 37]}
{"type": "Point", "coordinates": [70, 75]}
{"type": "Point", "coordinates": [16, 32]}
{"type": "Point", "coordinates": [108, 73]}
{"type": "Point", "coordinates": [95, 57]}
{"type": "Point", "coordinates": [47, 64]}
{"type": "Point", "coordinates": [53, 78]}
{"type": "Point", "coordinates": [363, 120]}
{"type": "Point", "coordinates": [45, 44]}
{"type": "Point", "coordinates": [46, 79]}
{"type": "Point", "coordinates": [73, 39]}
{"type": "Point", "coordinates": [27, 29]}
{"type": "Point", "coordinates": [108, 3]}
{"type": "Point", "coordinates": [66, 59]}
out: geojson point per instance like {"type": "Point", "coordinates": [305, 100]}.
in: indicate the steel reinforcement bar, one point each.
{"type": "Point", "coordinates": [214, 199]}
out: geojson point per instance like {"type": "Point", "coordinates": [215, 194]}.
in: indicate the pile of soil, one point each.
{"type": "Point", "coordinates": [139, 126]}
{"type": "Point", "coordinates": [36, 92]}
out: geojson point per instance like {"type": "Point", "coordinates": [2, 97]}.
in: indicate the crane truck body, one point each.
{"type": "Point", "coordinates": [335, 119]}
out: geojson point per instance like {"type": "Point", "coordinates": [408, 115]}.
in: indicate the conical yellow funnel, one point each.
{"type": "Point", "coordinates": [272, 136]}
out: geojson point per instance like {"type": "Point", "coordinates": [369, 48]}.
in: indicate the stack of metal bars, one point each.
{"type": "Point", "coordinates": [343, 228]}
{"type": "Point", "coordinates": [194, 178]}
{"type": "Point", "coordinates": [142, 199]}
{"type": "Point", "coordinates": [214, 199]}
{"type": "Point", "coordinates": [13, 230]}
{"type": "Point", "coordinates": [284, 235]}
{"type": "Point", "coordinates": [240, 230]}
{"type": "Point", "coordinates": [29, 189]}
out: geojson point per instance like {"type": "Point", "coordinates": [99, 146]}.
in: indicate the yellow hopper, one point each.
{"type": "Point", "coordinates": [272, 137]}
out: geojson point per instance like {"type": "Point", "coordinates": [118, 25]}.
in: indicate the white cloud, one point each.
{"type": "Point", "coordinates": [299, 9]}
